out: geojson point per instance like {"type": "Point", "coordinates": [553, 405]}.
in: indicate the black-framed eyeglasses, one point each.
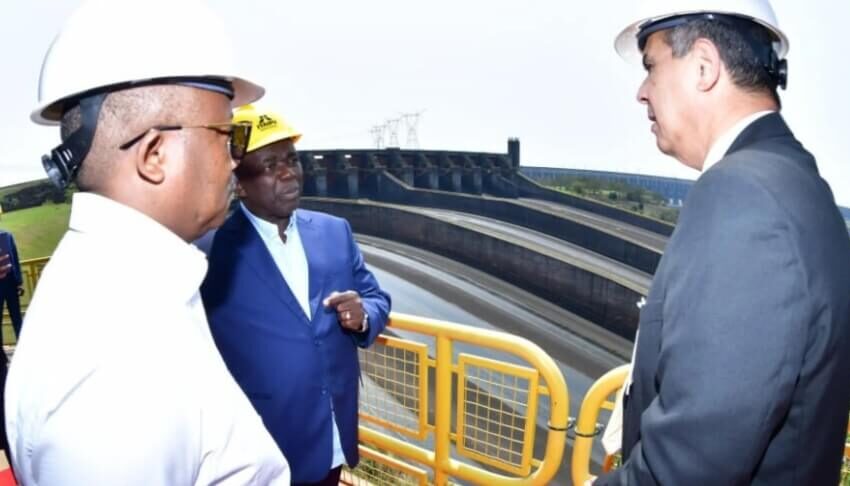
{"type": "Point", "coordinates": [238, 135]}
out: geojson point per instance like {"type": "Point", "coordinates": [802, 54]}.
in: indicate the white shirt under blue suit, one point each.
{"type": "Point", "coordinates": [292, 263]}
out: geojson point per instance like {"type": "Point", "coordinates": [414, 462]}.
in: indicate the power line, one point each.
{"type": "Point", "coordinates": [377, 132]}
{"type": "Point", "coordinates": [392, 127]}
{"type": "Point", "coordinates": [387, 134]}
{"type": "Point", "coordinates": [411, 121]}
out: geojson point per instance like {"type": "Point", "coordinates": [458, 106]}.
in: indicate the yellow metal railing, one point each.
{"type": "Point", "coordinates": [458, 415]}
{"type": "Point", "coordinates": [31, 272]}
{"type": "Point", "coordinates": [598, 397]}
{"type": "Point", "coordinates": [377, 469]}
{"type": "Point", "coordinates": [845, 467]}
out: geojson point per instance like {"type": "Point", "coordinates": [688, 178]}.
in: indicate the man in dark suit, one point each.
{"type": "Point", "coordinates": [741, 367]}
{"type": "Point", "coordinates": [7, 269]}
{"type": "Point", "coordinates": [11, 280]}
{"type": "Point", "coordinates": [289, 300]}
{"type": "Point", "coordinates": [10, 283]}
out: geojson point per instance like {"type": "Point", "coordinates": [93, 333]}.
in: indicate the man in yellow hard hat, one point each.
{"type": "Point", "coordinates": [740, 373]}
{"type": "Point", "coordinates": [289, 300]}
{"type": "Point", "coordinates": [115, 379]}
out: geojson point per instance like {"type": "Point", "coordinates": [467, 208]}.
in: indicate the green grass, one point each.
{"type": "Point", "coordinates": [37, 230]}
{"type": "Point", "coordinates": [650, 208]}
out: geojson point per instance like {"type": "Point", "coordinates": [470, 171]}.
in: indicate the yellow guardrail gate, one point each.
{"type": "Point", "coordinates": [431, 411]}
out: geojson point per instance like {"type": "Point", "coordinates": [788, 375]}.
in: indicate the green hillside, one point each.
{"type": "Point", "coordinates": [37, 230]}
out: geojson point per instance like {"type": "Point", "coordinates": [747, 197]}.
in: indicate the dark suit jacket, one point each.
{"type": "Point", "coordinates": [742, 369]}
{"type": "Point", "coordinates": [289, 365]}
{"type": "Point", "coordinates": [7, 244]}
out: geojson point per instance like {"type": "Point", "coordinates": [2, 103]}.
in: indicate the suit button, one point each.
{"type": "Point", "coordinates": [317, 342]}
{"type": "Point", "coordinates": [324, 391]}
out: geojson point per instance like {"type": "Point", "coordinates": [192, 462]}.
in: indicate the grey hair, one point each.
{"type": "Point", "coordinates": [737, 54]}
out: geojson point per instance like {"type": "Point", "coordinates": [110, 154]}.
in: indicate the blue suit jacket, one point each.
{"type": "Point", "coordinates": [289, 366]}
{"type": "Point", "coordinates": [7, 243]}
{"type": "Point", "coordinates": [741, 369]}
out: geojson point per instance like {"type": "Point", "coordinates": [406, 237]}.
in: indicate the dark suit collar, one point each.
{"type": "Point", "coordinates": [767, 127]}
{"type": "Point", "coordinates": [236, 222]}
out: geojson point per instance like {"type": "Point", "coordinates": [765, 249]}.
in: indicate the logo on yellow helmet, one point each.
{"type": "Point", "coordinates": [268, 127]}
{"type": "Point", "coordinates": [266, 122]}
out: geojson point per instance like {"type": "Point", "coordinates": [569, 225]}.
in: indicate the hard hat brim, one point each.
{"type": "Point", "coordinates": [50, 113]}
{"type": "Point", "coordinates": [626, 43]}
{"type": "Point", "coordinates": [295, 137]}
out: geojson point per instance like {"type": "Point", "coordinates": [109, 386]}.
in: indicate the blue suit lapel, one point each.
{"type": "Point", "coordinates": [256, 255]}
{"type": "Point", "coordinates": [312, 241]}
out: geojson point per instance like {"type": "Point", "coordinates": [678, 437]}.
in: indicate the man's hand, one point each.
{"type": "Point", "coordinates": [349, 309]}
{"type": "Point", "coordinates": [5, 266]}
{"type": "Point", "coordinates": [20, 291]}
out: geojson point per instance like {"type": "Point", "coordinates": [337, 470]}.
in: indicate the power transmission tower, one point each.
{"type": "Point", "coordinates": [411, 121]}
{"type": "Point", "coordinates": [392, 126]}
{"type": "Point", "coordinates": [378, 135]}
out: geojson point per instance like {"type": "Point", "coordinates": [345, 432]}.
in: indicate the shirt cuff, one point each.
{"type": "Point", "coordinates": [364, 326]}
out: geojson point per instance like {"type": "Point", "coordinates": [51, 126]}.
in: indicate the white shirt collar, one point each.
{"type": "Point", "coordinates": [268, 231]}
{"type": "Point", "coordinates": [146, 248]}
{"type": "Point", "coordinates": [724, 142]}
{"type": "Point", "coordinates": [289, 257]}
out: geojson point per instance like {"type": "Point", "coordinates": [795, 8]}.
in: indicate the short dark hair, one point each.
{"type": "Point", "coordinates": [736, 50]}
{"type": "Point", "coordinates": [122, 114]}
{"type": "Point", "coordinates": [72, 120]}
{"type": "Point", "coordinates": [90, 174]}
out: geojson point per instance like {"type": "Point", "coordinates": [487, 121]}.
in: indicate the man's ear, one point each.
{"type": "Point", "coordinates": [707, 59]}
{"type": "Point", "coordinates": [151, 157]}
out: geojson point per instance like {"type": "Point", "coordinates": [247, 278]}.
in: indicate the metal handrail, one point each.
{"type": "Point", "coordinates": [595, 399]}
{"type": "Point", "coordinates": [30, 273]}
{"type": "Point", "coordinates": [439, 459]}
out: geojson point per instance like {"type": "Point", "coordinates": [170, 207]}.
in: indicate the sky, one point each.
{"type": "Point", "coordinates": [480, 71]}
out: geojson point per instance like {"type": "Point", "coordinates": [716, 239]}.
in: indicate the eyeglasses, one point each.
{"type": "Point", "coordinates": [238, 135]}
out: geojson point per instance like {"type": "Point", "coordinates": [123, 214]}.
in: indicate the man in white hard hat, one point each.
{"type": "Point", "coordinates": [740, 373]}
{"type": "Point", "coordinates": [116, 379]}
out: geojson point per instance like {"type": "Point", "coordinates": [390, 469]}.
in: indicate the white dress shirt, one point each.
{"type": "Point", "coordinates": [116, 379]}
{"type": "Point", "coordinates": [289, 257]}
{"type": "Point", "coordinates": [292, 263]}
{"type": "Point", "coordinates": [724, 142]}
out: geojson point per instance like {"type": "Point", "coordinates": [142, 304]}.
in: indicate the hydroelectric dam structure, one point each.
{"type": "Point", "coordinates": [479, 209]}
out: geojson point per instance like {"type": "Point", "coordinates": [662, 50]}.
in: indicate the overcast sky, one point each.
{"type": "Point", "coordinates": [482, 70]}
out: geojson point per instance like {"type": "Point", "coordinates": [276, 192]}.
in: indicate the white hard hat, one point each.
{"type": "Point", "coordinates": [758, 11]}
{"type": "Point", "coordinates": [121, 43]}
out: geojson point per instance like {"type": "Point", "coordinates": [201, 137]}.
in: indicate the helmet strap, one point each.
{"type": "Point", "coordinates": [64, 161]}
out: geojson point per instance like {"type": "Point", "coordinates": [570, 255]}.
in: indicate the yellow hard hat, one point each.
{"type": "Point", "coordinates": [266, 127]}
